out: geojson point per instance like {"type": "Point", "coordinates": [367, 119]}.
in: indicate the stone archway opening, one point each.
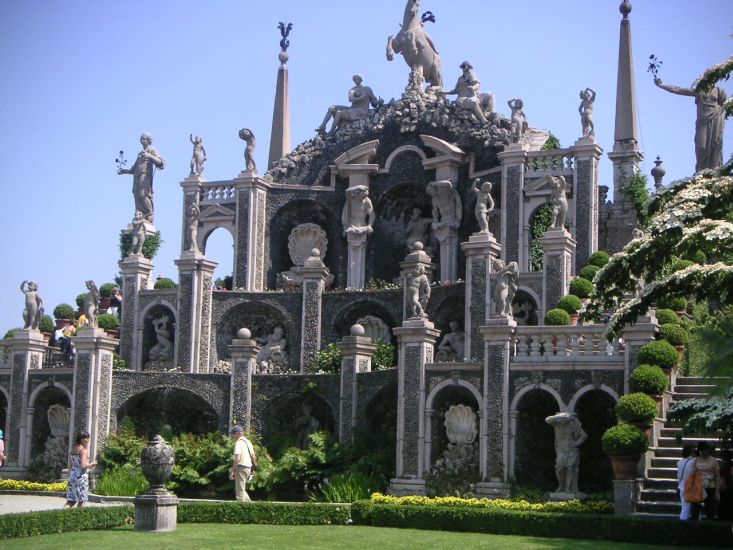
{"type": "Point", "coordinates": [49, 434]}
{"type": "Point", "coordinates": [535, 441]}
{"type": "Point", "coordinates": [219, 246]}
{"type": "Point", "coordinates": [596, 414]}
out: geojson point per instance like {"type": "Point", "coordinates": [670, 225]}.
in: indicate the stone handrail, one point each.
{"type": "Point", "coordinates": [563, 343]}
{"type": "Point", "coordinates": [218, 192]}
{"type": "Point", "coordinates": [555, 161]}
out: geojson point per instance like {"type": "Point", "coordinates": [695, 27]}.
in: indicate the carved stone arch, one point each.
{"type": "Point", "coordinates": [526, 389]}
{"type": "Point", "coordinates": [207, 231]}
{"type": "Point", "coordinates": [446, 305]}
{"type": "Point", "coordinates": [46, 385]}
{"type": "Point", "coordinates": [353, 311]}
{"type": "Point", "coordinates": [399, 151]}
{"type": "Point", "coordinates": [590, 387]}
{"type": "Point", "coordinates": [526, 314]}
{"type": "Point", "coordinates": [37, 428]}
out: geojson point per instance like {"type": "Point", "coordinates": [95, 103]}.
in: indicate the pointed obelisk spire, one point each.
{"type": "Point", "coordinates": [626, 155]}
{"type": "Point", "coordinates": [280, 135]}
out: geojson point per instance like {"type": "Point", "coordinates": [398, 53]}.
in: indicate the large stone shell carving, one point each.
{"type": "Point", "coordinates": [461, 424]}
{"type": "Point", "coordinates": [58, 420]}
{"type": "Point", "coordinates": [304, 238]}
{"type": "Point", "coordinates": [375, 327]}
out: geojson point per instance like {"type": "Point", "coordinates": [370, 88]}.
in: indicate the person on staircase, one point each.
{"type": "Point", "coordinates": [709, 468]}
{"type": "Point", "coordinates": [685, 467]}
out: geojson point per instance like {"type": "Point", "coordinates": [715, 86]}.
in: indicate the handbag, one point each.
{"type": "Point", "coordinates": [694, 492]}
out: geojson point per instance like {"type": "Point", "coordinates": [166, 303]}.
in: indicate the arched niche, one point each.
{"type": "Point", "coordinates": [40, 401]}
{"type": "Point", "coordinates": [534, 440]}
{"type": "Point", "coordinates": [286, 219]}
{"type": "Point", "coordinates": [260, 318]}
{"type": "Point", "coordinates": [595, 409]}
{"type": "Point", "coordinates": [358, 309]}
{"type": "Point", "coordinates": [443, 312]}
{"type": "Point", "coordinates": [525, 307]}
{"type": "Point", "coordinates": [155, 352]}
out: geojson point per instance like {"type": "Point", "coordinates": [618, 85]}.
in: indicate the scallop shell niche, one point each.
{"type": "Point", "coordinates": [461, 424]}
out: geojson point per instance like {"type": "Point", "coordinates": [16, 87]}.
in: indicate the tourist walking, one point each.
{"type": "Point", "coordinates": [78, 492]}
{"type": "Point", "coordinates": [2, 449]}
{"type": "Point", "coordinates": [709, 469]}
{"type": "Point", "coordinates": [685, 468]}
{"type": "Point", "coordinates": [243, 464]}
{"type": "Point", "coordinates": [725, 509]}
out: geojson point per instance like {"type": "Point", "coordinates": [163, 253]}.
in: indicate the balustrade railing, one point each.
{"type": "Point", "coordinates": [563, 343]}
{"type": "Point", "coordinates": [555, 161]}
{"type": "Point", "coordinates": [217, 192]}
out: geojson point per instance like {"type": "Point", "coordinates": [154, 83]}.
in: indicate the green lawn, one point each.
{"type": "Point", "coordinates": [225, 537]}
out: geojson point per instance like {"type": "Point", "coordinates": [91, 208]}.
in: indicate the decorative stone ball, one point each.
{"type": "Point", "coordinates": [625, 8]}
{"type": "Point", "coordinates": [283, 57]}
{"type": "Point", "coordinates": [315, 253]}
{"type": "Point", "coordinates": [244, 334]}
{"type": "Point", "coordinates": [418, 245]}
{"type": "Point", "coordinates": [357, 330]}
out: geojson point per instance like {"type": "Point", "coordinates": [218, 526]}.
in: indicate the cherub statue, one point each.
{"type": "Point", "coordinates": [33, 311]}
{"type": "Point", "coordinates": [249, 151]}
{"type": "Point", "coordinates": [587, 98]}
{"type": "Point", "coordinates": [138, 234]}
{"type": "Point", "coordinates": [91, 303]}
{"type": "Point", "coordinates": [559, 201]}
{"type": "Point", "coordinates": [192, 228]}
{"type": "Point", "coordinates": [199, 155]}
{"type": "Point", "coordinates": [272, 345]}
{"type": "Point", "coordinates": [357, 216]}
{"type": "Point", "coordinates": [484, 204]}
{"type": "Point", "coordinates": [518, 118]}
{"type": "Point", "coordinates": [417, 292]}
{"type": "Point", "coordinates": [506, 283]}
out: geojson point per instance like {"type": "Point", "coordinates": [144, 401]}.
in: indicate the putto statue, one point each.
{"type": "Point", "coordinates": [163, 349]}
{"type": "Point", "coordinates": [559, 202]}
{"type": "Point", "coordinates": [33, 311]}
{"type": "Point", "coordinates": [518, 118]}
{"type": "Point", "coordinates": [417, 292]}
{"type": "Point", "coordinates": [587, 98]}
{"type": "Point", "coordinates": [569, 435]}
{"type": "Point", "coordinates": [708, 126]}
{"type": "Point", "coordinates": [199, 155]}
{"type": "Point", "coordinates": [447, 207]}
{"type": "Point", "coordinates": [506, 284]}
{"type": "Point", "coordinates": [484, 204]}
{"type": "Point", "coordinates": [467, 90]}
{"type": "Point", "coordinates": [417, 48]}
{"type": "Point", "coordinates": [91, 303]}
{"type": "Point", "coordinates": [273, 346]}
{"type": "Point", "coordinates": [192, 229]}
{"type": "Point", "coordinates": [142, 176]}
{"type": "Point", "coordinates": [138, 234]}
{"type": "Point", "coordinates": [249, 151]}
{"type": "Point", "coordinates": [360, 98]}
{"type": "Point", "coordinates": [358, 214]}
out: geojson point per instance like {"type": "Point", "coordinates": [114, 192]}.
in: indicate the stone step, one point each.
{"type": "Point", "coordinates": [655, 515]}
{"type": "Point", "coordinates": [667, 452]}
{"type": "Point", "coordinates": [668, 442]}
{"type": "Point", "coordinates": [664, 462]}
{"type": "Point", "coordinates": [696, 388]}
{"type": "Point", "coordinates": [659, 495]}
{"type": "Point", "coordinates": [663, 473]}
{"type": "Point", "coordinates": [658, 507]}
{"type": "Point", "coordinates": [660, 484]}
{"type": "Point", "coordinates": [697, 380]}
{"type": "Point", "coordinates": [676, 396]}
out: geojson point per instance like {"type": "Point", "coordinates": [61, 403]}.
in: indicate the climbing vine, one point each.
{"type": "Point", "coordinates": [635, 190]}
{"type": "Point", "coordinates": [539, 222]}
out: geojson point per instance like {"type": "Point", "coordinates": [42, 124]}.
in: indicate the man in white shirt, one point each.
{"type": "Point", "coordinates": [242, 464]}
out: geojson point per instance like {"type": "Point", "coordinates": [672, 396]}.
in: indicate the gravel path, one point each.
{"type": "Point", "coordinates": [13, 504]}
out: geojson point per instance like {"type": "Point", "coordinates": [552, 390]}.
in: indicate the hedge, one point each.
{"type": "Point", "coordinates": [273, 513]}
{"type": "Point", "coordinates": [22, 485]}
{"type": "Point", "coordinates": [573, 526]}
{"type": "Point", "coordinates": [62, 521]}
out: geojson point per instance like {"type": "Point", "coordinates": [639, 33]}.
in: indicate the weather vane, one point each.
{"type": "Point", "coordinates": [284, 31]}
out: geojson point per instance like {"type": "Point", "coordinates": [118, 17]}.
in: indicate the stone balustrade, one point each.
{"type": "Point", "coordinates": [555, 162]}
{"type": "Point", "coordinates": [217, 192]}
{"type": "Point", "coordinates": [565, 343]}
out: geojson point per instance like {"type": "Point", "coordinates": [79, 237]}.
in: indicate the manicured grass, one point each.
{"type": "Point", "coordinates": [216, 537]}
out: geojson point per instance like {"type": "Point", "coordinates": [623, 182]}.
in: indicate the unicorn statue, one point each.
{"type": "Point", "coordinates": [417, 48]}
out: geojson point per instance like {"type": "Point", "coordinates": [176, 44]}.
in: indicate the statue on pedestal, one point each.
{"type": "Point", "coordinates": [138, 234]}
{"type": "Point", "coordinates": [360, 98]}
{"type": "Point", "coordinates": [33, 311]}
{"type": "Point", "coordinates": [559, 202]}
{"type": "Point", "coordinates": [518, 118]}
{"type": "Point", "coordinates": [199, 155]}
{"type": "Point", "coordinates": [569, 435]}
{"type": "Point", "coordinates": [506, 285]}
{"type": "Point", "coordinates": [91, 303]}
{"type": "Point", "coordinates": [453, 345]}
{"type": "Point", "coordinates": [484, 204]}
{"type": "Point", "coordinates": [587, 98]}
{"type": "Point", "coordinates": [142, 176]}
{"type": "Point", "coordinates": [417, 292]}
{"type": "Point", "coordinates": [417, 228]}
{"type": "Point", "coordinates": [249, 151]}
{"type": "Point", "coordinates": [357, 216]}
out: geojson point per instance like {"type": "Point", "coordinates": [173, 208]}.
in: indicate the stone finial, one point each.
{"type": "Point", "coordinates": [658, 173]}
{"type": "Point", "coordinates": [625, 8]}
{"type": "Point", "coordinates": [244, 334]}
{"type": "Point", "coordinates": [357, 330]}
{"type": "Point", "coordinates": [418, 246]}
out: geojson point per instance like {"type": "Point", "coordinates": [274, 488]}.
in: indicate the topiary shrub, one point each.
{"type": "Point", "coordinates": [660, 353]}
{"type": "Point", "coordinates": [667, 317]}
{"type": "Point", "coordinates": [570, 303]}
{"type": "Point", "coordinates": [80, 299]}
{"type": "Point", "coordinates": [599, 258]}
{"type": "Point", "coordinates": [589, 272]}
{"type": "Point", "coordinates": [63, 311]}
{"type": "Point", "coordinates": [46, 324]}
{"type": "Point", "coordinates": [636, 407]}
{"type": "Point", "coordinates": [582, 288]}
{"type": "Point", "coordinates": [674, 334]}
{"type": "Point", "coordinates": [108, 322]}
{"type": "Point", "coordinates": [10, 333]}
{"type": "Point", "coordinates": [557, 317]}
{"type": "Point", "coordinates": [106, 290]}
{"type": "Point", "coordinates": [676, 304]}
{"type": "Point", "coordinates": [624, 439]}
{"type": "Point", "coordinates": [679, 265]}
{"type": "Point", "coordinates": [648, 379]}
{"type": "Point", "coordinates": [164, 282]}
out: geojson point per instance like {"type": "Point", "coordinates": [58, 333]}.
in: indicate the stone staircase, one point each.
{"type": "Point", "coordinates": [658, 492]}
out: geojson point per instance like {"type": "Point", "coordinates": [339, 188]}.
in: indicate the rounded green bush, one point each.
{"type": "Point", "coordinates": [636, 407]}
{"type": "Point", "coordinates": [164, 282]}
{"type": "Point", "coordinates": [582, 288]}
{"type": "Point", "coordinates": [699, 257]}
{"type": "Point", "coordinates": [667, 317]}
{"type": "Point", "coordinates": [108, 322]}
{"type": "Point", "coordinates": [10, 333]}
{"type": "Point", "coordinates": [557, 317]}
{"type": "Point", "coordinates": [599, 258]}
{"type": "Point", "coordinates": [63, 311]}
{"type": "Point", "coordinates": [674, 334]}
{"type": "Point", "coordinates": [679, 265]}
{"type": "Point", "coordinates": [648, 379]}
{"type": "Point", "coordinates": [676, 304]}
{"type": "Point", "coordinates": [624, 439]}
{"type": "Point", "coordinates": [80, 299]}
{"type": "Point", "coordinates": [660, 353]}
{"type": "Point", "coordinates": [106, 290]}
{"type": "Point", "coordinates": [46, 324]}
{"type": "Point", "coordinates": [570, 303]}
{"type": "Point", "coordinates": [589, 272]}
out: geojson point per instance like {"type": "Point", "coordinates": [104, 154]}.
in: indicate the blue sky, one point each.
{"type": "Point", "coordinates": [82, 79]}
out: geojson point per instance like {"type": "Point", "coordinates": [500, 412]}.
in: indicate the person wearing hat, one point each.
{"type": "Point", "coordinates": [467, 90]}
{"type": "Point", "coordinates": [243, 464]}
{"type": "Point", "coordinates": [2, 449]}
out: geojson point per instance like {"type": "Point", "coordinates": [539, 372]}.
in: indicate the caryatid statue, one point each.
{"type": "Point", "coordinates": [708, 126]}
{"type": "Point", "coordinates": [569, 435]}
{"type": "Point", "coordinates": [484, 204]}
{"type": "Point", "coordinates": [192, 228]}
{"type": "Point", "coordinates": [469, 98]}
{"type": "Point", "coordinates": [417, 48]}
{"type": "Point", "coordinates": [91, 303]}
{"type": "Point", "coordinates": [357, 216]}
{"type": "Point", "coordinates": [559, 202]}
{"type": "Point", "coordinates": [360, 97]}
{"type": "Point", "coordinates": [33, 311]}
{"type": "Point", "coordinates": [587, 99]}
{"type": "Point", "coordinates": [447, 207]}
{"type": "Point", "coordinates": [142, 172]}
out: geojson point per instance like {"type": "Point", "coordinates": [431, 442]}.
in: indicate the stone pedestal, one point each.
{"type": "Point", "coordinates": [93, 386]}
{"type": "Point", "coordinates": [249, 241]}
{"type": "Point", "coordinates": [498, 334]}
{"type": "Point", "coordinates": [561, 497]}
{"type": "Point", "coordinates": [314, 283]}
{"type": "Point", "coordinates": [193, 333]}
{"type": "Point", "coordinates": [635, 336]}
{"type": "Point", "coordinates": [157, 513]}
{"type": "Point", "coordinates": [28, 347]}
{"type": "Point", "coordinates": [136, 271]}
{"type": "Point", "coordinates": [480, 250]}
{"type": "Point", "coordinates": [558, 250]}
{"type": "Point", "coordinates": [243, 350]}
{"type": "Point", "coordinates": [416, 346]}
{"type": "Point", "coordinates": [587, 154]}
{"type": "Point", "coordinates": [513, 163]}
{"type": "Point", "coordinates": [356, 357]}
{"type": "Point", "coordinates": [357, 255]}
{"type": "Point", "coordinates": [625, 495]}
{"type": "Point", "coordinates": [448, 238]}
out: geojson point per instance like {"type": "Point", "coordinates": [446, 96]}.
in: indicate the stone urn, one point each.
{"type": "Point", "coordinates": [157, 461]}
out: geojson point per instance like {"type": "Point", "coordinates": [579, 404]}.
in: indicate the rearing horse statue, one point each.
{"type": "Point", "coordinates": [417, 48]}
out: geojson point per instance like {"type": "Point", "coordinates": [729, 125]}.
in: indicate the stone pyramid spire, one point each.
{"type": "Point", "coordinates": [280, 135]}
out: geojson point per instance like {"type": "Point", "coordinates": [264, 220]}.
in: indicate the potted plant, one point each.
{"type": "Point", "coordinates": [648, 379]}
{"type": "Point", "coordinates": [164, 282]}
{"type": "Point", "coordinates": [109, 324]}
{"type": "Point", "coordinates": [667, 317]}
{"type": "Point", "coordinates": [64, 315]}
{"type": "Point", "coordinates": [557, 317]}
{"type": "Point", "coordinates": [660, 353]}
{"type": "Point", "coordinates": [599, 258]}
{"type": "Point", "coordinates": [638, 409]}
{"type": "Point", "coordinates": [572, 305]}
{"type": "Point", "coordinates": [46, 326]}
{"type": "Point", "coordinates": [676, 335]}
{"type": "Point", "coordinates": [582, 288]}
{"type": "Point", "coordinates": [589, 272]}
{"type": "Point", "coordinates": [105, 293]}
{"type": "Point", "coordinates": [624, 445]}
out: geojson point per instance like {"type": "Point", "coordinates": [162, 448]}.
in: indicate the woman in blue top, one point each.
{"type": "Point", "coordinates": [78, 492]}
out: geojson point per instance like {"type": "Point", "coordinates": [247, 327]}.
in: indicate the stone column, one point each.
{"type": "Point", "coordinates": [416, 346]}
{"type": "Point", "coordinates": [356, 353]}
{"type": "Point", "coordinates": [480, 250]}
{"type": "Point", "coordinates": [513, 160]}
{"type": "Point", "coordinates": [193, 330]}
{"type": "Point", "coordinates": [28, 347]}
{"type": "Point", "coordinates": [192, 187]}
{"type": "Point", "coordinates": [243, 350]}
{"type": "Point", "coordinates": [585, 188]}
{"type": "Point", "coordinates": [357, 255]}
{"type": "Point", "coordinates": [498, 334]}
{"type": "Point", "coordinates": [314, 283]}
{"type": "Point", "coordinates": [448, 239]}
{"type": "Point", "coordinates": [249, 242]}
{"type": "Point", "coordinates": [558, 250]}
{"type": "Point", "coordinates": [93, 386]}
{"type": "Point", "coordinates": [136, 272]}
